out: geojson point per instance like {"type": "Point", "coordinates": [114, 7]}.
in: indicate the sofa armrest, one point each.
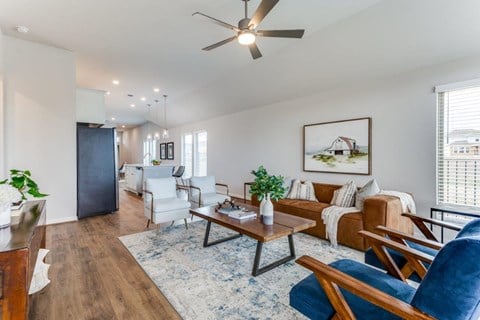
{"type": "Point", "coordinates": [384, 210]}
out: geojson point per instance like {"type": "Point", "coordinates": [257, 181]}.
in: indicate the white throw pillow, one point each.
{"type": "Point", "coordinates": [287, 185]}
{"type": "Point", "coordinates": [346, 195]}
{"type": "Point", "coordinates": [302, 191]}
{"type": "Point", "coordinates": [335, 196]}
{"type": "Point", "coordinates": [369, 189]}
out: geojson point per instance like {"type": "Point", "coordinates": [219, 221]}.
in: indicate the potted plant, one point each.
{"type": "Point", "coordinates": [267, 187]}
{"type": "Point", "coordinates": [156, 162]}
{"type": "Point", "coordinates": [23, 182]}
{"type": "Point", "coordinates": [8, 195]}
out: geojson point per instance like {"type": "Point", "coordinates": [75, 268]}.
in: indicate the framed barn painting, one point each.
{"type": "Point", "coordinates": [338, 146]}
{"type": "Point", "coordinates": [163, 151]}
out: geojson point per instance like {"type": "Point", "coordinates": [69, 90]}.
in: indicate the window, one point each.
{"type": "Point", "coordinates": [458, 135]}
{"type": "Point", "coordinates": [194, 153]}
{"type": "Point", "coordinates": [149, 151]}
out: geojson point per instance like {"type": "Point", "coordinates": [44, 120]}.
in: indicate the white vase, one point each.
{"type": "Point", "coordinates": [267, 211]}
{"type": "Point", "coordinates": [262, 203]}
{"type": "Point", "coordinates": [5, 214]}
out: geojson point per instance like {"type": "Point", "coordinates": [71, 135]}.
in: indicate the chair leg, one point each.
{"type": "Point", "coordinates": [148, 223]}
{"type": "Point", "coordinates": [186, 224]}
{"type": "Point", "coordinates": [172, 223]}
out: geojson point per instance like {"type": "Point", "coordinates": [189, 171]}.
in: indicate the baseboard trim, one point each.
{"type": "Point", "coordinates": [61, 220]}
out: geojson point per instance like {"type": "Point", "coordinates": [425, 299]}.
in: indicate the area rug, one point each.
{"type": "Point", "coordinates": [216, 282]}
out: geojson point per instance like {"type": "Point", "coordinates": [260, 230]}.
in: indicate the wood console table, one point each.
{"type": "Point", "coordinates": [18, 257]}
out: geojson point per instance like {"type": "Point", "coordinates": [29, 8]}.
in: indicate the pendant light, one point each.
{"type": "Point", "coordinates": [165, 134]}
{"type": "Point", "coordinates": [156, 136]}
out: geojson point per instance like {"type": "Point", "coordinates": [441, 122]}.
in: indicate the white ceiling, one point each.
{"type": "Point", "coordinates": [157, 43]}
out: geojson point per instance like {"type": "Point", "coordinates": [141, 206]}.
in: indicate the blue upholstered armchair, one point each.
{"type": "Point", "coordinates": [348, 289]}
{"type": "Point", "coordinates": [428, 246]}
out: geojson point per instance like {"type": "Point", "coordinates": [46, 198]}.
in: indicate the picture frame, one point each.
{"type": "Point", "coordinates": [170, 151]}
{"type": "Point", "coordinates": [163, 151]}
{"type": "Point", "coordinates": [343, 146]}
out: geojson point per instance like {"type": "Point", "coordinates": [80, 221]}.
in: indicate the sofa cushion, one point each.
{"type": "Point", "coordinates": [369, 189]}
{"type": "Point", "coordinates": [309, 298]}
{"type": "Point", "coordinates": [345, 196]}
{"type": "Point", "coordinates": [302, 191]}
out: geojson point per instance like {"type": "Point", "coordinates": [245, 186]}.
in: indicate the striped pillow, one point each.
{"type": "Point", "coordinates": [302, 191]}
{"type": "Point", "coordinates": [345, 196]}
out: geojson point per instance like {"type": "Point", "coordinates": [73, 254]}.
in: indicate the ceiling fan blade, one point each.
{"type": "Point", "coordinates": [254, 51]}
{"type": "Point", "coordinates": [262, 10]}
{"type": "Point", "coordinates": [281, 33]}
{"type": "Point", "coordinates": [218, 44]}
{"type": "Point", "coordinates": [219, 22]}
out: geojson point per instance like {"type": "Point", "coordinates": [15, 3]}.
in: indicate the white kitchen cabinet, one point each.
{"type": "Point", "coordinates": [135, 175]}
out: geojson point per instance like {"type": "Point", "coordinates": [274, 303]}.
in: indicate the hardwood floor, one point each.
{"type": "Point", "coordinates": [93, 276]}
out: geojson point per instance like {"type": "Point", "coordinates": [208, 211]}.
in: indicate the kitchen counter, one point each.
{"type": "Point", "coordinates": [136, 174]}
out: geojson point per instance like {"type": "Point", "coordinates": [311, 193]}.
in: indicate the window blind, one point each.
{"type": "Point", "coordinates": [458, 147]}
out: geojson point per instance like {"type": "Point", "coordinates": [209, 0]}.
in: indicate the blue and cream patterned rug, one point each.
{"type": "Point", "coordinates": [216, 282]}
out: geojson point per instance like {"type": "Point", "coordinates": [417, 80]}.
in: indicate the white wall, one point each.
{"type": "Point", "coordinates": [40, 120]}
{"type": "Point", "coordinates": [403, 111]}
{"type": "Point", "coordinates": [90, 106]}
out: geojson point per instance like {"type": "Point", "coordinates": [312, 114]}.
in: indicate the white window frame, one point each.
{"type": "Point", "coordinates": [443, 161]}
{"type": "Point", "coordinates": [149, 147]}
{"type": "Point", "coordinates": [195, 154]}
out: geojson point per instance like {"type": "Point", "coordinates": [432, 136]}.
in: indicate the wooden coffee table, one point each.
{"type": "Point", "coordinates": [285, 225]}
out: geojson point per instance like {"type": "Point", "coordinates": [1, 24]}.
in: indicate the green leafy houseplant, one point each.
{"type": "Point", "coordinates": [22, 181]}
{"type": "Point", "coordinates": [265, 183]}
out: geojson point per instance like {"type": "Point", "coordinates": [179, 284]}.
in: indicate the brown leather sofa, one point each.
{"type": "Point", "coordinates": [378, 210]}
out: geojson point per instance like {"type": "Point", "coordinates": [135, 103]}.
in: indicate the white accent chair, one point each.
{"type": "Point", "coordinates": [161, 203]}
{"type": "Point", "coordinates": [203, 191]}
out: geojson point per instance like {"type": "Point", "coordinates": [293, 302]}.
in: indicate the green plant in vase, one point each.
{"type": "Point", "coordinates": [23, 182]}
{"type": "Point", "coordinates": [267, 187]}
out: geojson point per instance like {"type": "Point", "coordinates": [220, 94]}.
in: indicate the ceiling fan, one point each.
{"type": "Point", "coordinates": [246, 32]}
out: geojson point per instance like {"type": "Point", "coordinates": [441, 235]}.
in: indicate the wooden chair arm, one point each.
{"type": "Point", "coordinates": [151, 203]}
{"type": "Point", "coordinates": [402, 237]}
{"type": "Point", "coordinates": [420, 224]}
{"type": "Point", "coordinates": [180, 187]}
{"type": "Point", "coordinates": [199, 194]}
{"type": "Point", "coordinates": [330, 279]}
{"type": "Point", "coordinates": [436, 222]}
{"type": "Point", "coordinates": [223, 185]}
{"type": "Point", "coordinates": [414, 257]}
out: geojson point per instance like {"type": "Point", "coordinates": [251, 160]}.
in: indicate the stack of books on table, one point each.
{"type": "Point", "coordinates": [242, 215]}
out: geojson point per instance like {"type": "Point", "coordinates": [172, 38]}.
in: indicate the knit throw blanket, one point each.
{"type": "Point", "coordinates": [408, 205]}
{"type": "Point", "coordinates": [330, 217]}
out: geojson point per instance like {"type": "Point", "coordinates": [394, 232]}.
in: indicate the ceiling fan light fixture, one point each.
{"type": "Point", "coordinates": [246, 38]}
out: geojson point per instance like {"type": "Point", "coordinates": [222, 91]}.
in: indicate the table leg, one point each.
{"type": "Point", "coordinates": [256, 263]}
{"type": "Point", "coordinates": [207, 234]}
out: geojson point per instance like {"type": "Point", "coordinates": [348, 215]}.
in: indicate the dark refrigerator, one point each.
{"type": "Point", "coordinates": [97, 176]}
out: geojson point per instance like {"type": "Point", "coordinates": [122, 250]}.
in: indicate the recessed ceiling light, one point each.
{"type": "Point", "coordinates": [156, 89]}
{"type": "Point", "coordinates": [143, 98]}
{"type": "Point", "coordinates": [132, 105]}
{"type": "Point", "coordinates": [107, 93]}
{"type": "Point", "coordinates": [123, 126]}
{"type": "Point", "coordinates": [113, 118]}
{"type": "Point", "coordinates": [116, 82]}
{"type": "Point", "coordinates": [22, 29]}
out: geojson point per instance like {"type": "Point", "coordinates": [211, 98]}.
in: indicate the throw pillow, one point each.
{"type": "Point", "coordinates": [287, 184]}
{"type": "Point", "coordinates": [335, 196]}
{"type": "Point", "coordinates": [302, 191]}
{"type": "Point", "coordinates": [369, 189]}
{"type": "Point", "coordinates": [346, 195]}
